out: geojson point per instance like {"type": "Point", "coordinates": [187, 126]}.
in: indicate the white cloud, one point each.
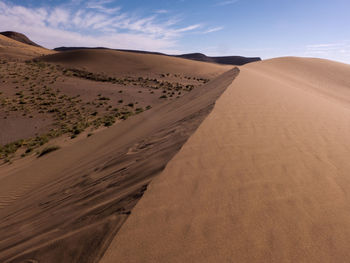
{"type": "Point", "coordinates": [94, 25]}
{"type": "Point", "coordinates": [324, 45]}
{"type": "Point", "coordinates": [58, 17]}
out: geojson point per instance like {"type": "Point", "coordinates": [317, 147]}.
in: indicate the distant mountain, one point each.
{"type": "Point", "coordinates": [227, 60]}
{"type": "Point", "coordinates": [19, 37]}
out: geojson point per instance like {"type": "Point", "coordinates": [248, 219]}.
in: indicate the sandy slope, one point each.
{"type": "Point", "coordinates": [67, 206]}
{"type": "Point", "coordinates": [118, 63]}
{"type": "Point", "coordinates": [265, 178]}
{"type": "Point", "coordinates": [10, 49]}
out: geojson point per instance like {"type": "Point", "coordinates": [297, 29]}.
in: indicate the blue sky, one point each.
{"type": "Point", "coordinates": [265, 28]}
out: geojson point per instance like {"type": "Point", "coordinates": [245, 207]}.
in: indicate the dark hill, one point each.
{"type": "Point", "coordinates": [19, 37]}
{"type": "Point", "coordinates": [229, 60]}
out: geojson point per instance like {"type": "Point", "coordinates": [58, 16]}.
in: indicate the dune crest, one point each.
{"type": "Point", "coordinates": [265, 178]}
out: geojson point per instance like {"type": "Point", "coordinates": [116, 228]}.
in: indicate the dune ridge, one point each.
{"type": "Point", "coordinates": [265, 178]}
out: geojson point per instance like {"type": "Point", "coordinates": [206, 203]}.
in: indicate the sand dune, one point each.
{"type": "Point", "coordinates": [128, 63]}
{"type": "Point", "coordinates": [265, 178]}
{"type": "Point", "coordinates": [12, 49]}
{"type": "Point", "coordinates": [19, 37]}
{"type": "Point", "coordinates": [67, 206]}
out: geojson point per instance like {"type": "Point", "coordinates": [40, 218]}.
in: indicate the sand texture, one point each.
{"type": "Point", "coordinates": [265, 178]}
{"type": "Point", "coordinates": [67, 206]}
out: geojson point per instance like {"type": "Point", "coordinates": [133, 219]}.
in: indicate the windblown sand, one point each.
{"type": "Point", "coordinates": [265, 178]}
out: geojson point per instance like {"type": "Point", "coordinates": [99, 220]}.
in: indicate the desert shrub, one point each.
{"type": "Point", "coordinates": [10, 148]}
{"type": "Point", "coordinates": [139, 110]}
{"type": "Point", "coordinates": [29, 150]}
{"type": "Point", "coordinates": [109, 121]}
{"type": "Point", "coordinates": [48, 150]}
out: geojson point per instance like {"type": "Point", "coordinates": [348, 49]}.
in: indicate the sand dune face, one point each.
{"type": "Point", "coordinates": [265, 178]}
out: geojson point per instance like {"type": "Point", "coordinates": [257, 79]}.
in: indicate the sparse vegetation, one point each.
{"type": "Point", "coordinates": [35, 92]}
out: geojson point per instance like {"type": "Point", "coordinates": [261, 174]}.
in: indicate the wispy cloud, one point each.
{"type": "Point", "coordinates": [100, 5]}
{"type": "Point", "coordinates": [337, 51]}
{"type": "Point", "coordinates": [97, 24]}
{"type": "Point", "coordinates": [213, 29]}
{"type": "Point", "coordinates": [188, 28]}
{"type": "Point", "coordinates": [325, 46]}
{"type": "Point", "coordinates": [227, 2]}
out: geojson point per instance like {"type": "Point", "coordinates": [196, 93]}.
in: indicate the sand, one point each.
{"type": "Point", "coordinates": [265, 178]}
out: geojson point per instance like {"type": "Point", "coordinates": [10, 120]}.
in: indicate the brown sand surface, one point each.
{"type": "Point", "coordinates": [265, 178]}
{"type": "Point", "coordinates": [68, 205]}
